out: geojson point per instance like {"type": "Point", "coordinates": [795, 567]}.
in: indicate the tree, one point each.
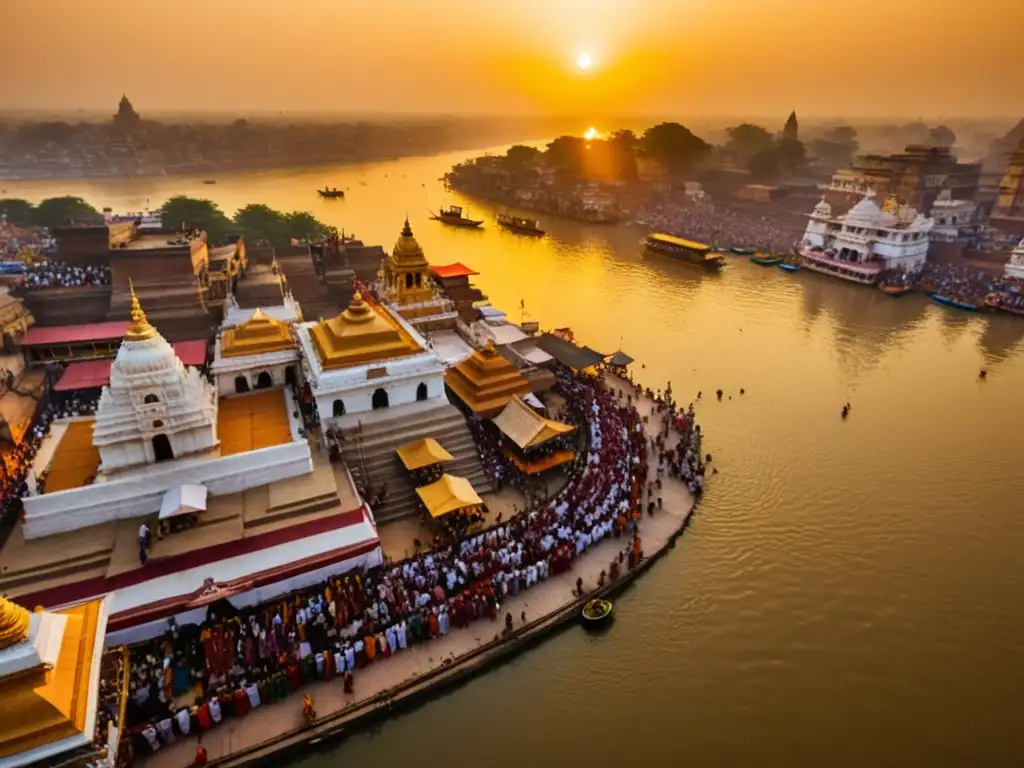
{"type": "Point", "coordinates": [764, 166]}
{"type": "Point", "coordinates": [258, 222]}
{"type": "Point", "coordinates": [747, 139]}
{"type": "Point", "coordinates": [674, 145]}
{"type": "Point", "coordinates": [61, 211]}
{"type": "Point", "coordinates": [305, 227]}
{"type": "Point", "coordinates": [194, 213]}
{"type": "Point", "coordinates": [17, 212]}
{"type": "Point", "coordinates": [843, 134]}
{"type": "Point", "coordinates": [792, 153]}
{"type": "Point", "coordinates": [565, 152]}
{"type": "Point", "coordinates": [520, 156]}
{"type": "Point", "coordinates": [942, 136]}
{"type": "Point", "coordinates": [621, 149]}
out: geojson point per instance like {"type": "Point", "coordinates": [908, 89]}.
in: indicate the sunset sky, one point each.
{"type": "Point", "coordinates": [851, 58]}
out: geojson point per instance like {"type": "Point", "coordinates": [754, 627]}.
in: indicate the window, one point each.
{"type": "Point", "coordinates": [421, 391]}
{"type": "Point", "coordinates": [339, 408]}
{"type": "Point", "coordinates": [157, 424]}
{"type": "Point", "coordinates": [380, 399]}
{"type": "Point", "coordinates": [151, 398]}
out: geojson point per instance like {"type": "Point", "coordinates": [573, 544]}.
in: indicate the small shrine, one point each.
{"type": "Point", "coordinates": [485, 382]}
{"type": "Point", "coordinates": [259, 353]}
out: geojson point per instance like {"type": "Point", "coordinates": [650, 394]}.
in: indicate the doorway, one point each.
{"type": "Point", "coordinates": [162, 450]}
{"type": "Point", "coordinates": [380, 399]}
{"type": "Point", "coordinates": [421, 392]}
{"type": "Point", "coordinates": [241, 384]}
{"type": "Point", "coordinates": [264, 380]}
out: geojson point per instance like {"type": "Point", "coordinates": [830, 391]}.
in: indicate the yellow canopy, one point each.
{"type": "Point", "coordinates": [525, 427]}
{"type": "Point", "coordinates": [422, 453]}
{"type": "Point", "coordinates": [448, 494]}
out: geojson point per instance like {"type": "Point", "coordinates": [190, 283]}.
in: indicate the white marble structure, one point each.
{"type": "Point", "coordinates": [954, 219]}
{"type": "Point", "coordinates": [380, 361]}
{"type": "Point", "coordinates": [1015, 266]}
{"type": "Point", "coordinates": [257, 354]}
{"type": "Point", "coordinates": [866, 241]}
{"type": "Point", "coordinates": [154, 408]}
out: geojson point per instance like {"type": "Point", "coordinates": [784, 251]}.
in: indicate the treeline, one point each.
{"type": "Point", "coordinates": [256, 222]}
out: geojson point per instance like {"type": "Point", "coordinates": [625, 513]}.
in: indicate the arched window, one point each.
{"type": "Point", "coordinates": [421, 391]}
{"type": "Point", "coordinates": [241, 384]}
{"type": "Point", "coordinates": [151, 399]}
{"type": "Point", "coordinates": [157, 424]}
{"type": "Point", "coordinates": [264, 380]}
{"type": "Point", "coordinates": [380, 399]}
{"type": "Point", "coordinates": [339, 408]}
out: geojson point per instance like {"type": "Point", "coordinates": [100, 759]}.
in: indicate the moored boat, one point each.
{"type": "Point", "coordinates": [786, 267]}
{"type": "Point", "coordinates": [743, 251]}
{"type": "Point", "coordinates": [894, 290]}
{"type": "Point", "coordinates": [948, 301]}
{"type": "Point", "coordinates": [519, 224]}
{"type": "Point", "coordinates": [766, 260]}
{"type": "Point", "coordinates": [596, 612]}
{"type": "Point", "coordinates": [209, 181]}
{"type": "Point", "coordinates": [686, 251]}
{"type": "Point", "coordinates": [863, 272]}
{"type": "Point", "coordinates": [331, 192]}
{"type": "Point", "coordinates": [454, 216]}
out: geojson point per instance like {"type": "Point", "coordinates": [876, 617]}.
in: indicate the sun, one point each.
{"type": "Point", "coordinates": [584, 62]}
{"type": "Point", "coordinates": [591, 133]}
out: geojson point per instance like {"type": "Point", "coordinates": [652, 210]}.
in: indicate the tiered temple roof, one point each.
{"type": "Point", "coordinates": [486, 382]}
{"type": "Point", "coordinates": [256, 336]}
{"type": "Point", "coordinates": [363, 333]}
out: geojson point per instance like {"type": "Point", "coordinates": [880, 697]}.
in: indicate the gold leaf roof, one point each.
{"type": "Point", "coordinates": [363, 333]}
{"type": "Point", "coordinates": [258, 335]}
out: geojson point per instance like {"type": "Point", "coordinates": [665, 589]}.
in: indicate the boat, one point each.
{"type": "Point", "coordinates": [863, 272]}
{"type": "Point", "coordinates": [454, 216]}
{"type": "Point", "coordinates": [521, 225]}
{"type": "Point", "coordinates": [743, 251]}
{"type": "Point", "coordinates": [209, 181]}
{"type": "Point", "coordinates": [785, 267]}
{"type": "Point", "coordinates": [686, 251]}
{"type": "Point", "coordinates": [596, 612]}
{"type": "Point", "coordinates": [331, 192]}
{"type": "Point", "coordinates": [766, 261]}
{"type": "Point", "coordinates": [894, 290]}
{"type": "Point", "coordinates": [948, 301]}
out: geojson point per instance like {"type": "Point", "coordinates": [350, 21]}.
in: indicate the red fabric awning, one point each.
{"type": "Point", "coordinates": [75, 334]}
{"type": "Point", "coordinates": [88, 374]}
{"type": "Point", "coordinates": [453, 270]}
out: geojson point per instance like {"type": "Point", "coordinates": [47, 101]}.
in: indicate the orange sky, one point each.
{"type": "Point", "coordinates": [852, 58]}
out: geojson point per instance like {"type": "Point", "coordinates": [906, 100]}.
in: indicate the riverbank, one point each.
{"type": "Point", "coordinates": [421, 671]}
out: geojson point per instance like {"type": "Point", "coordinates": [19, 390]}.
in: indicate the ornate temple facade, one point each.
{"type": "Point", "coordinates": [366, 359]}
{"type": "Point", "coordinates": [259, 353]}
{"type": "Point", "coordinates": [406, 284]}
{"type": "Point", "coordinates": [154, 408]}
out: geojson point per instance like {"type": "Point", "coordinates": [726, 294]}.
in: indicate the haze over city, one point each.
{"type": "Point", "coordinates": [851, 59]}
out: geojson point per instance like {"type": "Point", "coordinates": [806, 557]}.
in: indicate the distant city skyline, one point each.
{"type": "Point", "coordinates": [870, 59]}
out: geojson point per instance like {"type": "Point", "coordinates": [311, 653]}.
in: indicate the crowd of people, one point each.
{"type": "Point", "coordinates": [18, 458]}
{"type": "Point", "coordinates": [956, 281]}
{"type": "Point", "coordinates": [716, 226]}
{"type": "Point", "coordinates": [240, 659]}
{"type": "Point", "coordinates": [57, 274]}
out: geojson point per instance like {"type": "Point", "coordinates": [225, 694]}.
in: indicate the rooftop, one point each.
{"type": "Point", "coordinates": [486, 382]}
{"type": "Point", "coordinates": [154, 242]}
{"type": "Point", "coordinates": [257, 335]}
{"type": "Point", "coordinates": [363, 333]}
{"type": "Point", "coordinates": [453, 270]}
{"type": "Point", "coordinates": [74, 460]}
{"type": "Point", "coordinates": [253, 421]}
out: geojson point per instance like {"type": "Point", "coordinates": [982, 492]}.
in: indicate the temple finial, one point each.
{"type": "Point", "coordinates": [139, 328]}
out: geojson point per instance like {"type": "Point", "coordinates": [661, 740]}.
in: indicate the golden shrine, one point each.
{"type": "Point", "coordinates": [363, 333]}
{"type": "Point", "coordinates": [406, 274]}
{"type": "Point", "coordinates": [486, 382]}
{"type": "Point", "coordinates": [49, 680]}
{"type": "Point", "coordinates": [257, 335]}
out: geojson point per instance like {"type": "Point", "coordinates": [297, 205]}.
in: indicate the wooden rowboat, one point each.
{"type": "Point", "coordinates": [766, 261]}
{"type": "Point", "coordinates": [596, 613]}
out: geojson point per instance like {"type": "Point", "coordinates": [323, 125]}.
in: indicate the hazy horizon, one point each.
{"type": "Point", "coordinates": [697, 59]}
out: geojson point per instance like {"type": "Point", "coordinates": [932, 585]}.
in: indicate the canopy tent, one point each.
{"type": "Point", "coordinates": [448, 494]}
{"type": "Point", "coordinates": [422, 453]}
{"type": "Point", "coordinates": [568, 353]}
{"type": "Point", "coordinates": [620, 359]}
{"type": "Point", "coordinates": [183, 500]}
{"type": "Point", "coordinates": [525, 427]}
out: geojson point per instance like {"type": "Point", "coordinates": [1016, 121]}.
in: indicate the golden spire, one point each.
{"type": "Point", "coordinates": [139, 328]}
{"type": "Point", "coordinates": [891, 205]}
{"type": "Point", "coordinates": [358, 310]}
{"type": "Point", "coordinates": [13, 623]}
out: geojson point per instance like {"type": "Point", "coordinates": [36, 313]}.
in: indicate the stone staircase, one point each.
{"type": "Point", "coordinates": [369, 451]}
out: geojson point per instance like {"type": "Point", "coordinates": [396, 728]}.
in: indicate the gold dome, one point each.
{"type": "Point", "coordinates": [256, 336]}
{"type": "Point", "coordinates": [139, 328]}
{"type": "Point", "coordinates": [363, 333]}
{"type": "Point", "coordinates": [13, 623]}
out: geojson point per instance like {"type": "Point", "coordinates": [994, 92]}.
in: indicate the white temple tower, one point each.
{"type": "Point", "coordinates": [154, 408]}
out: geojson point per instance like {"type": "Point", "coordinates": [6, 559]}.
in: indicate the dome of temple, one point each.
{"type": "Point", "coordinates": [406, 247]}
{"type": "Point", "coordinates": [13, 623]}
{"type": "Point", "coordinates": [823, 209]}
{"type": "Point", "coordinates": [143, 350]}
{"type": "Point", "coordinates": [865, 211]}
{"type": "Point", "coordinates": [363, 333]}
{"type": "Point", "coordinates": [257, 335]}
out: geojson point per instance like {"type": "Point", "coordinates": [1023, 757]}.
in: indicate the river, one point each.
{"type": "Point", "coordinates": [849, 591]}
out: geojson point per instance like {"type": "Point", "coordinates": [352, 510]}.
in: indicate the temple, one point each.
{"type": "Point", "coordinates": [1015, 266]}
{"type": "Point", "coordinates": [406, 283]}
{"type": "Point", "coordinates": [50, 684]}
{"type": "Point", "coordinates": [259, 353]}
{"type": "Point", "coordinates": [486, 382]}
{"type": "Point", "coordinates": [791, 130]}
{"type": "Point", "coordinates": [867, 240]}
